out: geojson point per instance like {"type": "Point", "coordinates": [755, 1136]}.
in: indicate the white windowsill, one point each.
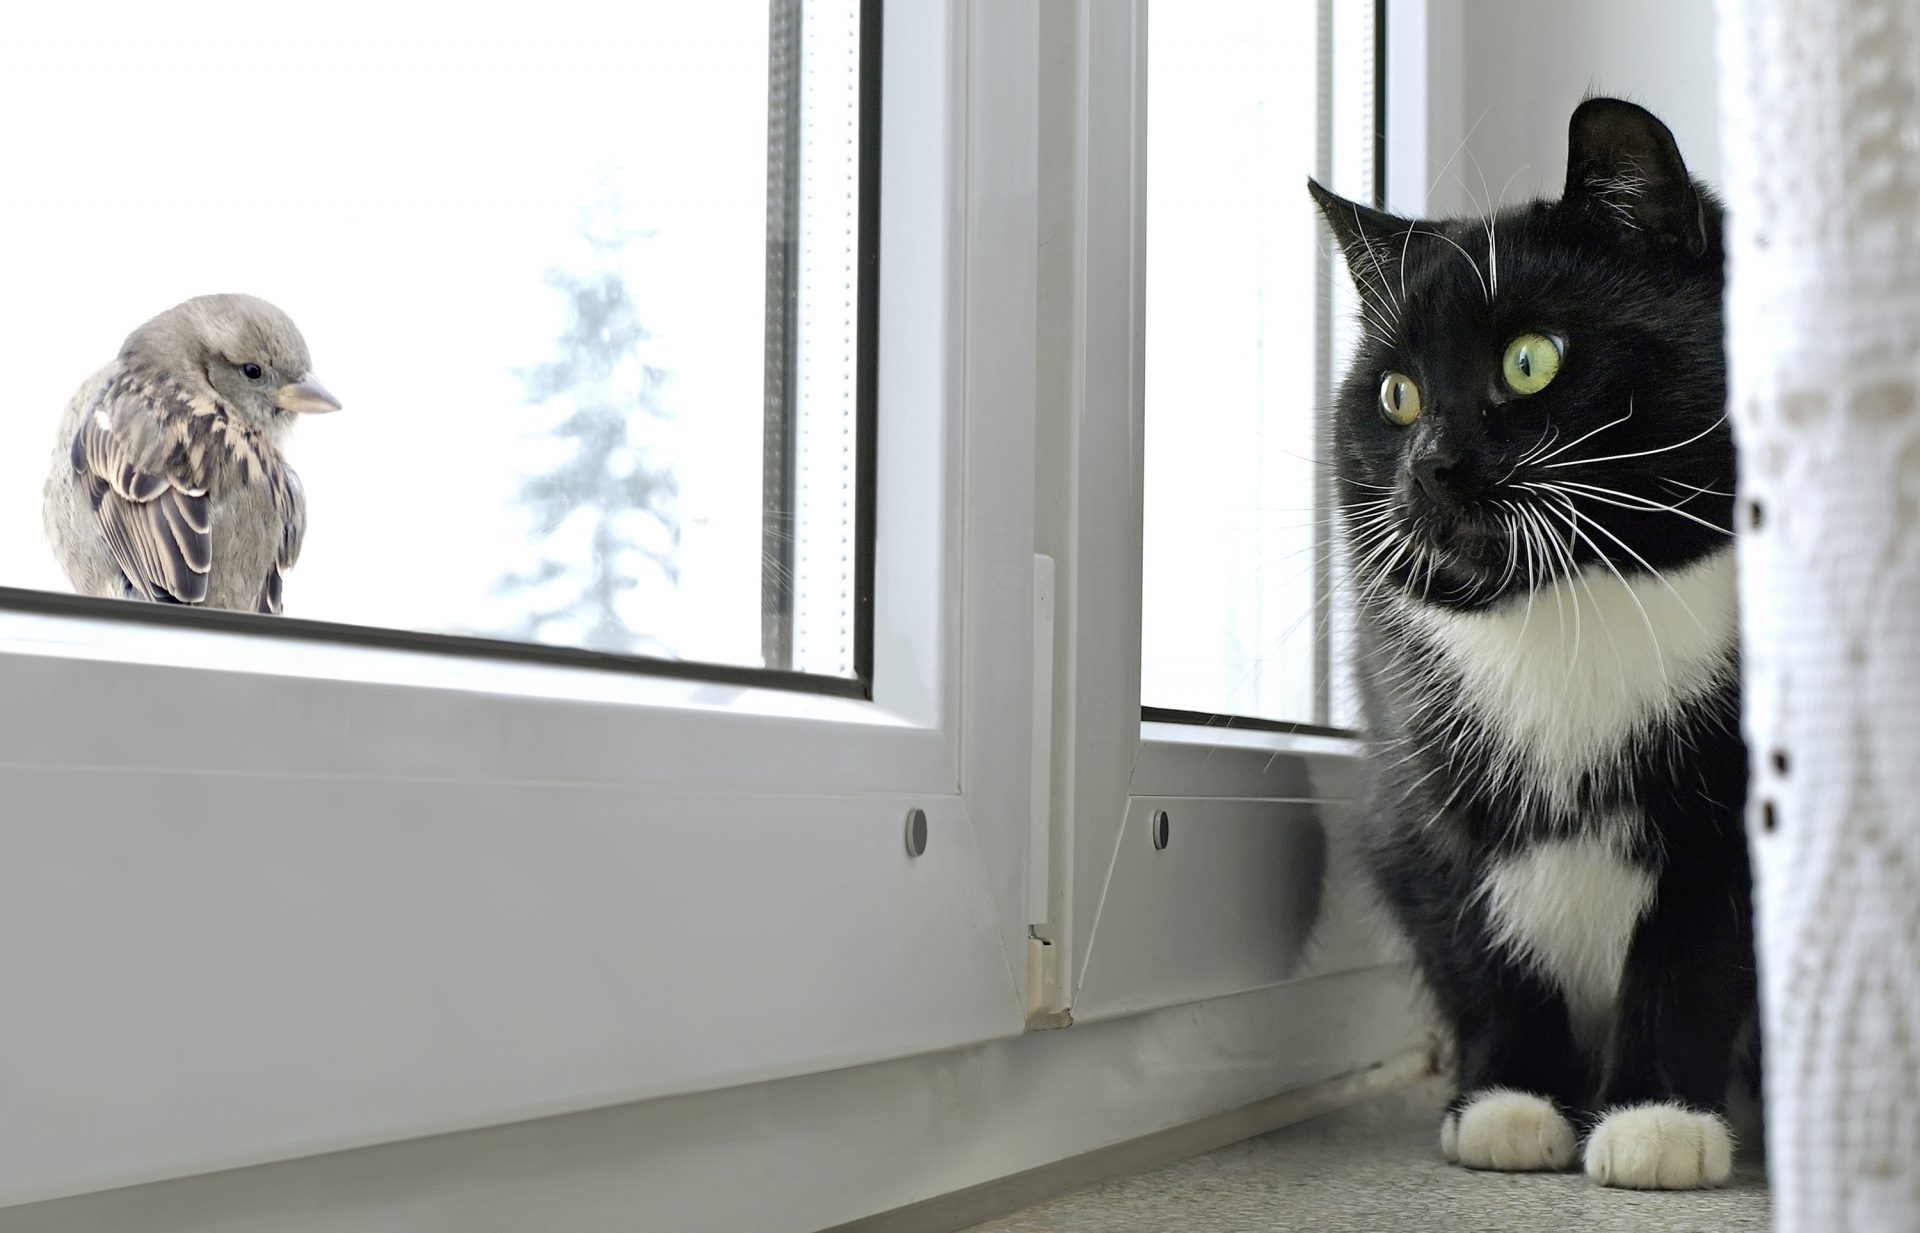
{"type": "Point", "coordinates": [124, 642]}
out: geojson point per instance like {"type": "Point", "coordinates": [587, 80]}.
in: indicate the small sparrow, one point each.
{"type": "Point", "coordinates": [168, 483]}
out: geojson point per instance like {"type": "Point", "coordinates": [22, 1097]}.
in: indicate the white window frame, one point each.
{"type": "Point", "coordinates": [1124, 915]}
{"type": "Point", "coordinates": [267, 898]}
{"type": "Point", "coordinates": [456, 944]}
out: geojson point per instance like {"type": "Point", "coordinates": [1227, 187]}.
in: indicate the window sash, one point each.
{"type": "Point", "coordinates": [516, 889]}
{"type": "Point", "coordinates": [354, 893]}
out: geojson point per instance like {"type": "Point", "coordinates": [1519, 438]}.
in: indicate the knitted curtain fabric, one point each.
{"type": "Point", "coordinates": [1819, 108]}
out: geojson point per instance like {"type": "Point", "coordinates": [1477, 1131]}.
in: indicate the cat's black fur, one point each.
{"type": "Point", "coordinates": [1626, 267]}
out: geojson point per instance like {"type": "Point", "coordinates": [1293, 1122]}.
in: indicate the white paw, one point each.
{"type": "Point", "coordinates": [1509, 1131]}
{"type": "Point", "coordinates": [1660, 1147]}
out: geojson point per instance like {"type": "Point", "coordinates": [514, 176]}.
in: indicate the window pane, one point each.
{"type": "Point", "coordinates": [530, 253]}
{"type": "Point", "coordinates": [1246, 100]}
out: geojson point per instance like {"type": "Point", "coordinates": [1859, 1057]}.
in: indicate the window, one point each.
{"type": "Point", "coordinates": [513, 883]}
{"type": "Point", "coordinates": [588, 284]}
{"type": "Point", "coordinates": [355, 890]}
{"type": "Point", "coordinates": [1245, 318]}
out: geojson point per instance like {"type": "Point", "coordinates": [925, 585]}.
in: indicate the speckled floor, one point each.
{"type": "Point", "coordinates": [1375, 1168]}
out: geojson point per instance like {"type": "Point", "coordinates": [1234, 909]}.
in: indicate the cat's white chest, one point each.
{"type": "Point", "coordinates": [1568, 909]}
{"type": "Point", "coordinates": [1563, 681]}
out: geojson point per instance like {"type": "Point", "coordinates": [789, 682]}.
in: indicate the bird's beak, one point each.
{"type": "Point", "coordinates": [305, 396]}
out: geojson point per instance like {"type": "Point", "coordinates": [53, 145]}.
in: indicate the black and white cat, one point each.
{"type": "Point", "coordinates": [1535, 476]}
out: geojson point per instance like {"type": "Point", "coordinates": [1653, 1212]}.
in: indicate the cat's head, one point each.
{"type": "Point", "coordinates": [1541, 390]}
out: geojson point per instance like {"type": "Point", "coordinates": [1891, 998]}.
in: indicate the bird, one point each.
{"type": "Point", "coordinates": [168, 483]}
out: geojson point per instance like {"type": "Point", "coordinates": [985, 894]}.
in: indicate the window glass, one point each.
{"type": "Point", "coordinates": [578, 273]}
{"type": "Point", "coordinates": [1246, 100]}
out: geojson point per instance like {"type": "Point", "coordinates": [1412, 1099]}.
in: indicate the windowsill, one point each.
{"type": "Point", "coordinates": [333, 656]}
{"type": "Point", "coordinates": [1221, 737]}
{"type": "Point", "coordinates": [1195, 760]}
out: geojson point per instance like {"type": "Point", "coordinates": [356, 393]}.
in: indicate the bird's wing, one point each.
{"type": "Point", "coordinates": [152, 510]}
{"type": "Point", "coordinates": [149, 451]}
{"type": "Point", "coordinates": [290, 502]}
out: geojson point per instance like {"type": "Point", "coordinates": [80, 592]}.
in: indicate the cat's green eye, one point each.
{"type": "Point", "coordinates": [1399, 399]}
{"type": "Point", "coordinates": [1530, 363]}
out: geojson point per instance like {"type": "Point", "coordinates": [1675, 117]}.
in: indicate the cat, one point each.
{"type": "Point", "coordinates": [1534, 470]}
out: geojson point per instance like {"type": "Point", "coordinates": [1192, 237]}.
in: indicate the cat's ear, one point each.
{"type": "Point", "coordinates": [1372, 240]}
{"type": "Point", "coordinates": [1624, 167]}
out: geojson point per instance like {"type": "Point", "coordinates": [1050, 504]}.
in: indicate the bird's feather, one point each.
{"type": "Point", "coordinates": [149, 450]}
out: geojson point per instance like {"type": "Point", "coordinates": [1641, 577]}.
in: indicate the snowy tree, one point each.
{"type": "Point", "coordinates": [601, 506]}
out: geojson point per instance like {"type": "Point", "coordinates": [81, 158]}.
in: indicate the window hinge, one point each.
{"type": "Point", "coordinates": [1046, 1003]}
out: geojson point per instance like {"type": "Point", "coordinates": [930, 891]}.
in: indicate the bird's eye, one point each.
{"type": "Point", "coordinates": [1531, 362]}
{"type": "Point", "coordinates": [252, 372]}
{"type": "Point", "coordinates": [1399, 399]}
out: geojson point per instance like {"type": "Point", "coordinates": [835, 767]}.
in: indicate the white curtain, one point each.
{"type": "Point", "coordinates": [1819, 109]}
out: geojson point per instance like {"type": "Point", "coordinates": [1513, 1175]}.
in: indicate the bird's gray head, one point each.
{"type": "Point", "coordinates": [247, 350]}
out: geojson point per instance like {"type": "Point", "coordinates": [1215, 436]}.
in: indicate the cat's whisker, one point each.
{"type": "Point", "coordinates": [1513, 555]}
{"type": "Point", "coordinates": [1583, 462]}
{"type": "Point", "coordinates": [1599, 612]}
{"type": "Point", "coordinates": [1548, 459]}
{"type": "Point", "coordinates": [1426, 582]}
{"type": "Point", "coordinates": [1486, 218]}
{"type": "Point", "coordinates": [1571, 515]}
{"type": "Point", "coordinates": [1373, 259]}
{"type": "Point", "coordinates": [1696, 489]}
{"type": "Point", "coordinates": [1551, 551]}
{"type": "Point", "coordinates": [1327, 464]}
{"type": "Point", "coordinates": [1468, 258]}
{"type": "Point", "coordinates": [1645, 505]}
{"type": "Point", "coordinates": [1509, 184]}
{"type": "Point", "coordinates": [1532, 583]}
{"type": "Point", "coordinates": [1406, 242]}
{"type": "Point", "coordinates": [1493, 259]}
{"type": "Point", "coordinates": [1601, 527]}
{"type": "Point", "coordinates": [1550, 566]}
{"type": "Point", "coordinates": [1384, 511]}
{"type": "Point", "coordinates": [1362, 536]}
{"type": "Point", "coordinates": [1393, 563]}
{"type": "Point", "coordinates": [1376, 583]}
{"type": "Point", "coordinates": [1372, 545]}
{"type": "Point", "coordinates": [1375, 326]}
{"type": "Point", "coordinates": [1493, 241]}
{"type": "Point", "coordinates": [1256, 567]}
{"type": "Point", "coordinates": [1387, 556]}
{"type": "Point", "coordinates": [1386, 315]}
{"type": "Point", "coordinates": [1545, 443]}
{"type": "Point", "coordinates": [1448, 165]}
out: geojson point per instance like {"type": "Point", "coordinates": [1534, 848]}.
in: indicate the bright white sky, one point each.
{"type": "Point", "coordinates": [399, 179]}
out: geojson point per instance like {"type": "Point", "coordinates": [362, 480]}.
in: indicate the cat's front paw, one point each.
{"type": "Point", "coordinates": [1510, 1131]}
{"type": "Point", "coordinates": [1660, 1147]}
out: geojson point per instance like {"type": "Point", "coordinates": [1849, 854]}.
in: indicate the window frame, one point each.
{"type": "Point", "coordinates": [498, 840]}
{"type": "Point", "coordinates": [1121, 763]}
{"type": "Point", "coordinates": [373, 760]}
{"type": "Point", "coordinates": [1350, 98]}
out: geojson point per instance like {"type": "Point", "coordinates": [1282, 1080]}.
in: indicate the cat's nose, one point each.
{"type": "Point", "coordinates": [1438, 467]}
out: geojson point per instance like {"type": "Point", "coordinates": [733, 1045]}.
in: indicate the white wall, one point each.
{"type": "Point", "coordinates": [1510, 72]}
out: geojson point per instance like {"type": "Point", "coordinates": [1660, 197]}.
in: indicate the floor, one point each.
{"type": "Point", "coordinates": [1376, 1168]}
